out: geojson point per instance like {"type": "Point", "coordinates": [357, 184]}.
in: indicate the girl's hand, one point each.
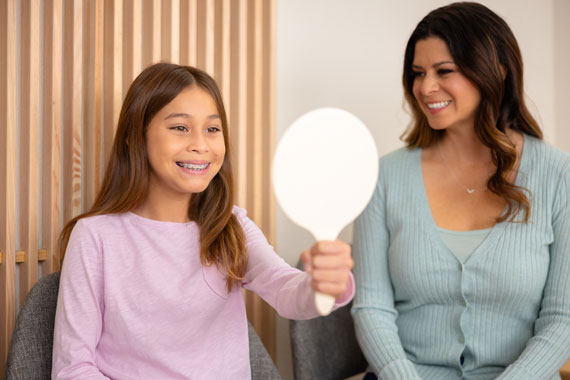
{"type": "Point", "coordinates": [329, 264]}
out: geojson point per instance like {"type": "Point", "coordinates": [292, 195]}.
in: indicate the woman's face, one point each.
{"type": "Point", "coordinates": [444, 94]}
{"type": "Point", "coordinates": [185, 144]}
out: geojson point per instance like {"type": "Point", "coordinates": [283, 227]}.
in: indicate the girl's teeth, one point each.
{"type": "Point", "coordinates": [438, 105]}
{"type": "Point", "coordinates": [192, 166]}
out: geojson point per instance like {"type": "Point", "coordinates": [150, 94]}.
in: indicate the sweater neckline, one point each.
{"type": "Point", "coordinates": [496, 230]}
{"type": "Point", "coordinates": [158, 223]}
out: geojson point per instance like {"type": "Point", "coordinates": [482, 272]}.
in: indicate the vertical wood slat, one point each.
{"type": "Point", "coordinates": [29, 127]}
{"type": "Point", "coordinates": [51, 124]}
{"type": "Point", "coordinates": [93, 102]}
{"type": "Point", "coordinates": [8, 62]}
{"type": "Point", "coordinates": [270, 115]}
{"type": "Point", "coordinates": [243, 81]}
{"type": "Point", "coordinates": [166, 30]}
{"type": "Point", "coordinates": [188, 31]}
{"type": "Point", "coordinates": [132, 49]}
{"type": "Point", "coordinates": [73, 104]}
{"type": "Point", "coordinates": [175, 31]}
{"type": "Point", "coordinates": [151, 32]}
{"type": "Point", "coordinates": [112, 71]}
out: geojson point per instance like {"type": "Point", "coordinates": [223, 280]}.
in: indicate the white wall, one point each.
{"type": "Point", "coordinates": [349, 54]}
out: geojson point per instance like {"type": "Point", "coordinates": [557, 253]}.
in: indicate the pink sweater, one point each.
{"type": "Point", "coordinates": [135, 302]}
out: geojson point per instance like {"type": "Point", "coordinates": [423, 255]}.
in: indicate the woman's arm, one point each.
{"type": "Point", "coordinates": [78, 319]}
{"type": "Point", "coordinates": [549, 348]}
{"type": "Point", "coordinates": [373, 308]}
{"type": "Point", "coordinates": [286, 289]}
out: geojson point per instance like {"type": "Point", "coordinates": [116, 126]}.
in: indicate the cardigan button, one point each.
{"type": "Point", "coordinates": [461, 340]}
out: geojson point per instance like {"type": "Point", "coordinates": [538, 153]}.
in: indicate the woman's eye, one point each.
{"type": "Point", "coordinates": [416, 74]}
{"type": "Point", "coordinates": [179, 128]}
{"type": "Point", "coordinates": [213, 129]}
{"type": "Point", "coordinates": [444, 71]}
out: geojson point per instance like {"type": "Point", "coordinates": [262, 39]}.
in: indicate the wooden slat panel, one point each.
{"type": "Point", "coordinates": [93, 102]}
{"type": "Point", "coordinates": [73, 104]}
{"type": "Point", "coordinates": [52, 124]}
{"type": "Point", "coordinates": [224, 37]}
{"type": "Point", "coordinates": [29, 127]}
{"type": "Point", "coordinates": [8, 101]}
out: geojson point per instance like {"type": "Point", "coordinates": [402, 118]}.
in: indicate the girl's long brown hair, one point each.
{"type": "Point", "coordinates": [125, 184]}
{"type": "Point", "coordinates": [482, 46]}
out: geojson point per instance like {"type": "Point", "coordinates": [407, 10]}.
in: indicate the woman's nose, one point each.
{"type": "Point", "coordinates": [429, 85]}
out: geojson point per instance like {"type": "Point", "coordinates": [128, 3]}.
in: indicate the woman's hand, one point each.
{"type": "Point", "coordinates": [329, 263]}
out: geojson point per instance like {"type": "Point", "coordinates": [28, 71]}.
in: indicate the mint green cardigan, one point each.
{"type": "Point", "coordinates": [504, 313]}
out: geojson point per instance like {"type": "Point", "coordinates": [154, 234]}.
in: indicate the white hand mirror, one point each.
{"type": "Point", "coordinates": [324, 171]}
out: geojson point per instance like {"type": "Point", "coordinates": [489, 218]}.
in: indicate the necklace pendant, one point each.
{"type": "Point", "coordinates": [470, 191]}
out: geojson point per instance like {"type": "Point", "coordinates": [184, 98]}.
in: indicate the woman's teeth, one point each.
{"type": "Point", "coordinates": [438, 105]}
{"type": "Point", "coordinates": [192, 166]}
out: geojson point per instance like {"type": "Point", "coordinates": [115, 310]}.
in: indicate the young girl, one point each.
{"type": "Point", "coordinates": [463, 254]}
{"type": "Point", "coordinates": [151, 281]}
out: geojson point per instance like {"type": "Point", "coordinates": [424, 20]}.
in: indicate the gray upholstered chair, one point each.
{"type": "Point", "coordinates": [29, 356]}
{"type": "Point", "coordinates": [325, 348]}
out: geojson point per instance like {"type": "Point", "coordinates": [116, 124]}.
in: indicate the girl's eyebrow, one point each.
{"type": "Point", "coordinates": [188, 116]}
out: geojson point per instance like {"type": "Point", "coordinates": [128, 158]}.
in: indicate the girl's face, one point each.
{"type": "Point", "coordinates": [185, 144]}
{"type": "Point", "coordinates": [444, 94]}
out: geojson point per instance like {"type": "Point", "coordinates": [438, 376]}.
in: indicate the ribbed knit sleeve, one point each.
{"type": "Point", "coordinates": [548, 349]}
{"type": "Point", "coordinates": [373, 308]}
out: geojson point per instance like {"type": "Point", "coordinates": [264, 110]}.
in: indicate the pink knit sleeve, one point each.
{"type": "Point", "coordinates": [78, 319]}
{"type": "Point", "coordinates": [287, 289]}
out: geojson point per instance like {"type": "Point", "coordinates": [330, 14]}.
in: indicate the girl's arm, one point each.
{"type": "Point", "coordinates": [286, 289]}
{"type": "Point", "coordinates": [549, 348]}
{"type": "Point", "coordinates": [78, 318]}
{"type": "Point", "coordinates": [373, 308]}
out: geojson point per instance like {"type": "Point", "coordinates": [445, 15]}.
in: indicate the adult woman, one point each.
{"type": "Point", "coordinates": [462, 263]}
{"type": "Point", "coordinates": [151, 281]}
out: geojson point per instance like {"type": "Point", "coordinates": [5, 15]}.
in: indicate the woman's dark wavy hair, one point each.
{"type": "Point", "coordinates": [126, 180]}
{"type": "Point", "coordinates": [482, 46]}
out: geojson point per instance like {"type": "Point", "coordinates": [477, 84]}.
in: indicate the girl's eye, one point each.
{"type": "Point", "coordinates": [213, 129]}
{"type": "Point", "coordinates": [416, 74]}
{"type": "Point", "coordinates": [179, 128]}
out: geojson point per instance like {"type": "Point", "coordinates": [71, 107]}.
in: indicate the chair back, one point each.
{"type": "Point", "coordinates": [30, 352]}
{"type": "Point", "coordinates": [326, 348]}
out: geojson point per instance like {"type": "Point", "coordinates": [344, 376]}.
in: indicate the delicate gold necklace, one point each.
{"type": "Point", "coordinates": [469, 190]}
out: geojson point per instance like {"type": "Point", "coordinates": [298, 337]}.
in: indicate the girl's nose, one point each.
{"type": "Point", "coordinates": [197, 143]}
